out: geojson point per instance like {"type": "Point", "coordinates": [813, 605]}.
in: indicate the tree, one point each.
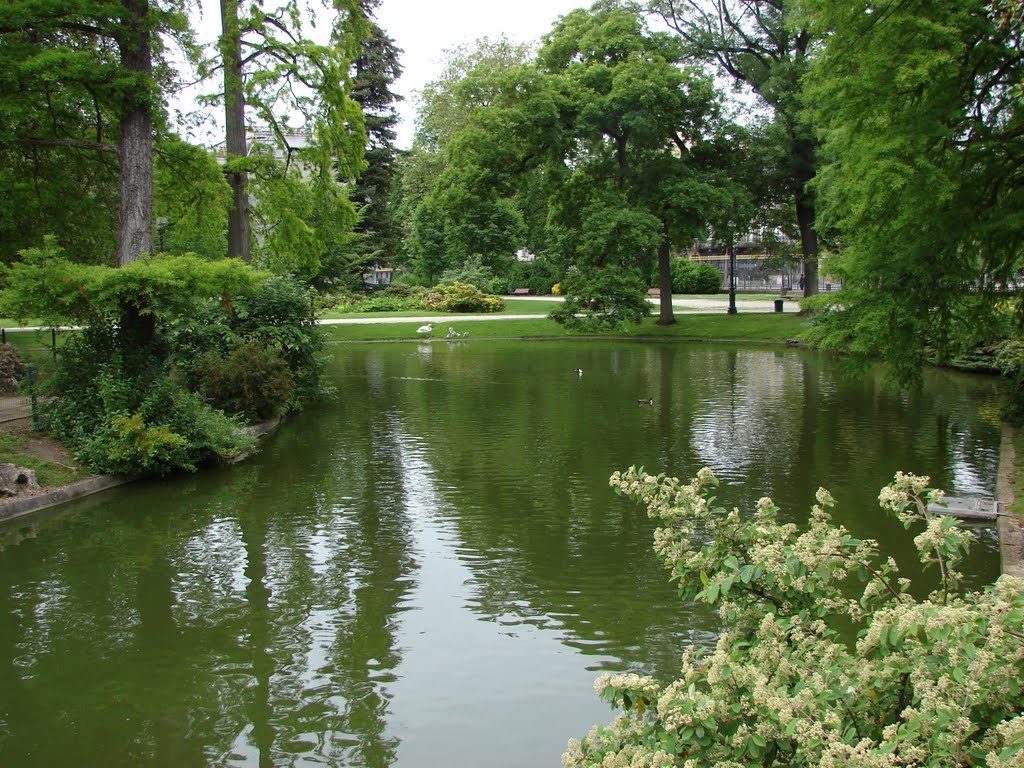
{"type": "Point", "coordinates": [294, 74]}
{"type": "Point", "coordinates": [934, 681]}
{"type": "Point", "coordinates": [191, 200]}
{"type": "Point", "coordinates": [922, 131]}
{"type": "Point", "coordinates": [376, 70]}
{"type": "Point", "coordinates": [764, 45]}
{"type": "Point", "coordinates": [71, 68]}
{"type": "Point", "coordinates": [473, 79]}
{"type": "Point", "coordinates": [637, 125]}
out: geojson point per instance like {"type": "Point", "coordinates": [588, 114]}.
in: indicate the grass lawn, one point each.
{"type": "Point", "coordinates": [768, 326]}
{"type": "Point", "coordinates": [11, 322]}
{"type": "Point", "coordinates": [36, 347]}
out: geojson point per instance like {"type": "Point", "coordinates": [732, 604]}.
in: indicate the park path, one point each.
{"type": "Point", "coordinates": [691, 306]}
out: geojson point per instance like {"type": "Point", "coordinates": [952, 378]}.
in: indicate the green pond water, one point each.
{"type": "Point", "coordinates": [431, 570]}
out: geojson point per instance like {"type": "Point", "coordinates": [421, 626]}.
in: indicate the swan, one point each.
{"type": "Point", "coordinates": [425, 328]}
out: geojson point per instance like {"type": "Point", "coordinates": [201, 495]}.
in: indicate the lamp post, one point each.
{"type": "Point", "coordinates": [732, 273]}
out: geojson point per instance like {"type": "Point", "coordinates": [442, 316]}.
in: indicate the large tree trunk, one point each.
{"type": "Point", "coordinates": [665, 316]}
{"type": "Point", "coordinates": [239, 245]}
{"type": "Point", "coordinates": [803, 157]}
{"type": "Point", "coordinates": [135, 232]}
{"type": "Point", "coordinates": [808, 240]}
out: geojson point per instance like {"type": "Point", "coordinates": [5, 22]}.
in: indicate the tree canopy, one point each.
{"type": "Point", "coordinates": [920, 188]}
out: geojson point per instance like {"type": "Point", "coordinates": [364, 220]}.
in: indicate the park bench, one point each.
{"type": "Point", "coordinates": [520, 291]}
{"type": "Point", "coordinates": [654, 291]}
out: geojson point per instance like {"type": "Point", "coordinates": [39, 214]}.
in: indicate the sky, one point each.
{"type": "Point", "coordinates": [425, 30]}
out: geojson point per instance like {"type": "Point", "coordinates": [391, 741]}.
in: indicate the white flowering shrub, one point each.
{"type": "Point", "coordinates": [933, 682]}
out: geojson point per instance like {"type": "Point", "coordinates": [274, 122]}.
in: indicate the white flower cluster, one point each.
{"type": "Point", "coordinates": [934, 682]}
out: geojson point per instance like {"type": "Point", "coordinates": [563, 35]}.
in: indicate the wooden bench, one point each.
{"type": "Point", "coordinates": [654, 291]}
{"type": "Point", "coordinates": [520, 291]}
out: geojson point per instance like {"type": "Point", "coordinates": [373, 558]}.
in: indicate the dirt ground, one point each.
{"type": "Point", "coordinates": [39, 444]}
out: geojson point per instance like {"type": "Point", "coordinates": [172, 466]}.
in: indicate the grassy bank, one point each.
{"type": "Point", "coordinates": [26, 449]}
{"type": "Point", "coordinates": [754, 327]}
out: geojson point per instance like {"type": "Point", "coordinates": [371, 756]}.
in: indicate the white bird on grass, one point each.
{"type": "Point", "coordinates": [425, 328]}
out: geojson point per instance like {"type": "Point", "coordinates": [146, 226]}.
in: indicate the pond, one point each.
{"type": "Point", "coordinates": [431, 570]}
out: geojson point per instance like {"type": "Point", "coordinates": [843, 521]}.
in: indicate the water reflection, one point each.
{"type": "Point", "coordinates": [434, 560]}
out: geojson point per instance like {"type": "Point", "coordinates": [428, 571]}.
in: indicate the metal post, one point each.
{"type": "Point", "coordinates": [32, 398]}
{"type": "Point", "coordinates": [53, 338]}
{"type": "Point", "coordinates": [3, 335]}
{"type": "Point", "coordinates": [732, 276]}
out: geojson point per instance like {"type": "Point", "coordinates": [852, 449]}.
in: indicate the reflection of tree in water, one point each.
{"type": "Point", "coordinates": [524, 455]}
{"type": "Point", "coordinates": [241, 617]}
{"type": "Point", "coordinates": [523, 471]}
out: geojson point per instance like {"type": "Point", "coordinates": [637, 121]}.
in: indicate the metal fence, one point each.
{"type": "Point", "coordinates": [14, 407]}
{"type": "Point", "coordinates": [36, 348]}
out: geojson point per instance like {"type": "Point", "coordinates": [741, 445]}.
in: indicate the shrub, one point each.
{"type": "Point", "coordinates": [280, 313]}
{"type": "Point", "coordinates": [1009, 359]}
{"type": "Point", "coordinates": [602, 301]}
{"type": "Point", "coordinates": [387, 304]}
{"type": "Point", "coordinates": [399, 290]}
{"type": "Point", "coordinates": [127, 417]}
{"type": "Point", "coordinates": [126, 445]}
{"type": "Point", "coordinates": [12, 370]}
{"type": "Point", "coordinates": [252, 382]}
{"type": "Point", "coordinates": [937, 681]}
{"type": "Point", "coordinates": [461, 297]}
{"type": "Point", "coordinates": [693, 277]}
{"type": "Point", "coordinates": [473, 271]}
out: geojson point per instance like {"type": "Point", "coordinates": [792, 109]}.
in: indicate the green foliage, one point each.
{"type": "Point", "coordinates": [277, 313]}
{"type": "Point", "coordinates": [920, 119]}
{"type": "Point", "coordinates": [1009, 359]}
{"type": "Point", "coordinates": [125, 445]}
{"type": "Point", "coordinates": [472, 271]}
{"type": "Point", "coordinates": [48, 285]}
{"type": "Point", "coordinates": [114, 406]}
{"type": "Point", "coordinates": [250, 381]}
{"type": "Point", "coordinates": [538, 275]}
{"type": "Point", "coordinates": [461, 297]}
{"type": "Point", "coordinates": [191, 200]}
{"type": "Point", "coordinates": [66, 88]}
{"type": "Point", "coordinates": [606, 300]}
{"type": "Point", "coordinates": [245, 340]}
{"type": "Point", "coordinates": [386, 304]}
{"type": "Point", "coordinates": [937, 681]}
{"type": "Point", "coordinates": [694, 277]}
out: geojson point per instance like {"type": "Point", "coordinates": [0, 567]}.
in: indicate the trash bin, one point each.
{"type": "Point", "coordinates": [778, 305]}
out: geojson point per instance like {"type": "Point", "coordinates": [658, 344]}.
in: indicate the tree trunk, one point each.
{"type": "Point", "coordinates": [803, 159]}
{"type": "Point", "coordinates": [239, 245]}
{"type": "Point", "coordinates": [665, 316]}
{"type": "Point", "coordinates": [135, 152]}
{"type": "Point", "coordinates": [808, 240]}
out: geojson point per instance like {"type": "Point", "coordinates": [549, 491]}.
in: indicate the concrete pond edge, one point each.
{"type": "Point", "coordinates": [1011, 528]}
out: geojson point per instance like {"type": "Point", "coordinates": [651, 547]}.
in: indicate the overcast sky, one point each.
{"type": "Point", "coordinates": [425, 30]}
